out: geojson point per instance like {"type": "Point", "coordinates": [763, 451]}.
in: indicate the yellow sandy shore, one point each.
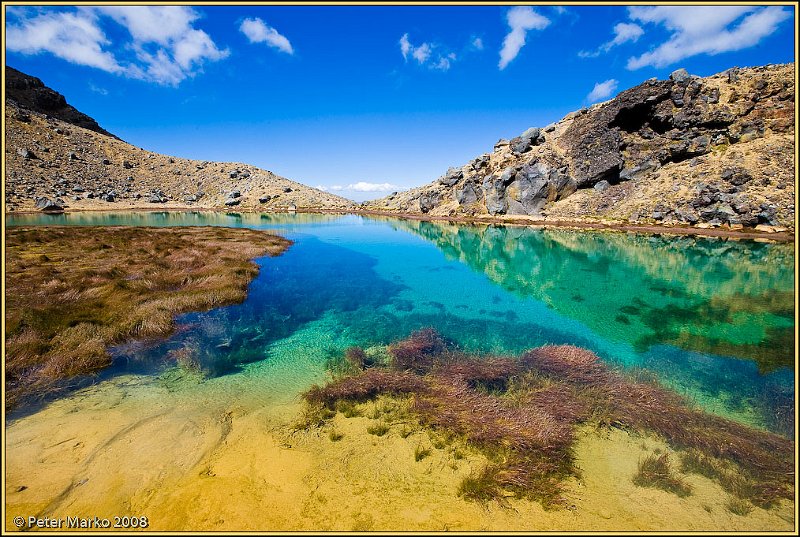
{"type": "Point", "coordinates": [192, 455]}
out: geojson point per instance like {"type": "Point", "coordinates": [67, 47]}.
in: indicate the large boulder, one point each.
{"type": "Point", "coordinates": [452, 176]}
{"type": "Point", "coordinates": [495, 195]}
{"type": "Point", "coordinates": [468, 194]}
{"type": "Point", "coordinates": [48, 206]}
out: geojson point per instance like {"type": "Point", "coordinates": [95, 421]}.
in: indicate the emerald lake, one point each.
{"type": "Point", "coordinates": [711, 318]}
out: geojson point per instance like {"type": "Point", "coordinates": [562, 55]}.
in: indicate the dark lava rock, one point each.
{"type": "Point", "coordinates": [48, 206]}
{"type": "Point", "coordinates": [602, 186]}
{"type": "Point", "coordinates": [31, 93]}
{"type": "Point", "coordinates": [469, 194]}
{"type": "Point", "coordinates": [25, 153]}
{"type": "Point", "coordinates": [428, 201]}
{"type": "Point", "coordinates": [680, 76]}
{"type": "Point", "coordinates": [452, 176]}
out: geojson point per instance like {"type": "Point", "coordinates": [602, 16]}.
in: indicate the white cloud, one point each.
{"type": "Point", "coordinates": [98, 89]}
{"type": "Point", "coordinates": [166, 47]}
{"type": "Point", "coordinates": [422, 53]}
{"type": "Point", "coordinates": [322, 187]}
{"type": "Point", "coordinates": [602, 90]}
{"type": "Point", "coordinates": [74, 37]}
{"type": "Point", "coordinates": [429, 54]}
{"type": "Point", "coordinates": [704, 30]}
{"type": "Point", "coordinates": [405, 46]}
{"type": "Point", "coordinates": [257, 31]}
{"type": "Point", "coordinates": [161, 25]}
{"type": "Point", "coordinates": [363, 186]}
{"type": "Point", "coordinates": [623, 33]}
{"type": "Point", "coordinates": [520, 20]}
{"type": "Point", "coordinates": [477, 43]}
{"type": "Point", "coordinates": [337, 187]}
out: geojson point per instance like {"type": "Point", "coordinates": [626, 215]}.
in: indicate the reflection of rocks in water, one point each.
{"type": "Point", "coordinates": [696, 293]}
{"type": "Point", "coordinates": [692, 328]}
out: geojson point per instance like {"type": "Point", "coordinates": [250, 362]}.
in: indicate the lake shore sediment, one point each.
{"type": "Point", "coordinates": [778, 234]}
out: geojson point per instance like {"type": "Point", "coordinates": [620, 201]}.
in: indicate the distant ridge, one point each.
{"type": "Point", "coordinates": [59, 158]}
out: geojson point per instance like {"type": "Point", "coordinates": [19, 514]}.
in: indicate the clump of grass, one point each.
{"type": "Point", "coordinates": [71, 292]}
{"type": "Point", "coordinates": [379, 429]}
{"type": "Point", "coordinates": [738, 506]}
{"type": "Point", "coordinates": [655, 472]}
{"type": "Point", "coordinates": [421, 452]}
{"type": "Point", "coordinates": [482, 487]}
{"type": "Point", "coordinates": [313, 416]}
{"type": "Point", "coordinates": [349, 409]}
{"type": "Point", "coordinates": [368, 385]}
{"type": "Point", "coordinates": [418, 352]}
{"type": "Point", "coordinates": [357, 358]}
{"type": "Point", "coordinates": [335, 435]}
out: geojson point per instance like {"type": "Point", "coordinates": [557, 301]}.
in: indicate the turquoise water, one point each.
{"type": "Point", "coordinates": [713, 319]}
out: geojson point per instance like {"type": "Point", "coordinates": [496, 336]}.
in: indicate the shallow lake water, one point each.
{"type": "Point", "coordinates": [713, 319]}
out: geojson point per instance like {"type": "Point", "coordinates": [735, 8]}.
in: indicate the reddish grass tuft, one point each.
{"type": "Point", "coordinates": [364, 386]}
{"type": "Point", "coordinates": [418, 352]}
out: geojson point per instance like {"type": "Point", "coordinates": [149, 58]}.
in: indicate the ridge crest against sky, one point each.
{"type": "Point", "coordinates": [365, 100]}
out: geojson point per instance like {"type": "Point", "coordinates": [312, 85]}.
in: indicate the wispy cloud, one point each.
{"type": "Point", "coordinates": [98, 89]}
{"type": "Point", "coordinates": [476, 43]}
{"type": "Point", "coordinates": [164, 45]}
{"type": "Point", "coordinates": [257, 31]}
{"type": "Point", "coordinates": [520, 19]}
{"type": "Point", "coordinates": [432, 55]}
{"type": "Point", "coordinates": [704, 30]}
{"type": "Point", "coordinates": [602, 90]}
{"type": "Point", "coordinates": [74, 37]}
{"type": "Point", "coordinates": [624, 32]}
{"type": "Point", "coordinates": [363, 186]}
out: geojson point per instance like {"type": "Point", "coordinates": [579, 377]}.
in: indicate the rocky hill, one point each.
{"type": "Point", "coordinates": [57, 158]}
{"type": "Point", "coordinates": [715, 151]}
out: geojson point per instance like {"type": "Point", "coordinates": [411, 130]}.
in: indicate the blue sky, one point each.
{"type": "Point", "coordinates": [363, 100]}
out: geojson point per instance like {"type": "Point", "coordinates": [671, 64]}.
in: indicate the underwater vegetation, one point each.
{"type": "Point", "coordinates": [522, 413]}
{"type": "Point", "coordinates": [71, 292]}
{"type": "Point", "coordinates": [655, 472]}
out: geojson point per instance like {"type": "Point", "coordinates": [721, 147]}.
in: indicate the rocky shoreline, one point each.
{"type": "Point", "coordinates": [761, 233]}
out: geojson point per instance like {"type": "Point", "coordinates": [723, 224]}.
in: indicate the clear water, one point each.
{"type": "Point", "coordinates": [713, 319]}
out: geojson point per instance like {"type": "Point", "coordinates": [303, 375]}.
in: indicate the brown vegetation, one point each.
{"type": "Point", "coordinates": [655, 472]}
{"type": "Point", "coordinates": [522, 414]}
{"type": "Point", "coordinates": [73, 291]}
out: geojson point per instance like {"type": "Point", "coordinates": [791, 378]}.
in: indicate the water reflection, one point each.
{"type": "Point", "coordinates": [708, 295]}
